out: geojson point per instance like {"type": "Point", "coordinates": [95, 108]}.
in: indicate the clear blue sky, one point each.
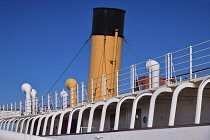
{"type": "Point", "coordinates": [39, 38]}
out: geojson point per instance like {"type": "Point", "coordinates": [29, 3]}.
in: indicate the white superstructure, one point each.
{"type": "Point", "coordinates": [167, 91]}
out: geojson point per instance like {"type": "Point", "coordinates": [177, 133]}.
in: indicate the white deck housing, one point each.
{"type": "Point", "coordinates": [182, 98]}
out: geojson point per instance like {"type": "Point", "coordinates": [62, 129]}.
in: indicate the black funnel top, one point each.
{"type": "Point", "coordinates": [106, 20]}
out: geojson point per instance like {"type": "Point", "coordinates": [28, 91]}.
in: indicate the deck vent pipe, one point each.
{"type": "Point", "coordinates": [34, 100]}
{"type": "Point", "coordinates": [154, 69]}
{"type": "Point", "coordinates": [26, 88]}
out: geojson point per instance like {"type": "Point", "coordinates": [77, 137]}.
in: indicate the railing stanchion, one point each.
{"type": "Point", "coordinates": [117, 82]}
{"type": "Point", "coordinates": [42, 104]}
{"type": "Point", "coordinates": [169, 68]}
{"type": "Point", "coordinates": [11, 107]}
{"type": "Point", "coordinates": [15, 106]}
{"type": "Point", "coordinates": [36, 103]}
{"type": "Point", "coordinates": [191, 63]}
{"type": "Point", "coordinates": [83, 90]}
{"type": "Point", "coordinates": [56, 100]}
{"type": "Point", "coordinates": [103, 86]}
{"type": "Point", "coordinates": [0, 113]}
{"type": "Point", "coordinates": [20, 107]}
{"type": "Point", "coordinates": [77, 93]}
{"type": "Point", "coordinates": [92, 91]}
{"type": "Point", "coordinates": [48, 102]}
{"type": "Point", "coordinates": [3, 111]}
{"type": "Point", "coordinates": [150, 78]}
{"type": "Point", "coordinates": [132, 71]}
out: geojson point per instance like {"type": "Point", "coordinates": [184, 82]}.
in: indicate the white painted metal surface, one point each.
{"type": "Point", "coordinates": [8, 135]}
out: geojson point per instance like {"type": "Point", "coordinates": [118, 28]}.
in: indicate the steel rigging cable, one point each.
{"type": "Point", "coordinates": [68, 66]}
{"type": "Point", "coordinates": [134, 52]}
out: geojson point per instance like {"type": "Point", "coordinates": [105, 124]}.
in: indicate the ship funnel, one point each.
{"type": "Point", "coordinates": [26, 88]}
{"type": "Point", "coordinates": [106, 51]}
{"type": "Point", "coordinates": [71, 84]}
{"type": "Point", "coordinates": [154, 69]}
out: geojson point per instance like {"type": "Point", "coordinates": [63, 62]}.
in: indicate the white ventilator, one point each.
{"type": "Point", "coordinates": [34, 101]}
{"type": "Point", "coordinates": [26, 88]}
{"type": "Point", "coordinates": [154, 71]}
{"type": "Point", "coordinates": [64, 95]}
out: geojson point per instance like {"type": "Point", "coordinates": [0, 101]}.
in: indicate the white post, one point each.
{"type": "Point", "coordinates": [132, 71]}
{"type": "Point", "coordinates": [191, 63]}
{"type": "Point", "coordinates": [26, 109]}
{"type": "Point", "coordinates": [48, 102]}
{"type": "Point", "coordinates": [42, 104]}
{"type": "Point", "coordinates": [166, 68]}
{"type": "Point", "coordinates": [37, 104]}
{"type": "Point", "coordinates": [15, 106]}
{"type": "Point", "coordinates": [64, 95]}
{"type": "Point", "coordinates": [117, 84]}
{"type": "Point", "coordinates": [3, 111]}
{"type": "Point", "coordinates": [150, 78]}
{"type": "Point", "coordinates": [11, 107]}
{"type": "Point", "coordinates": [92, 90]}
{"type": "Point", "coordinates": [20, 107]}
{"type": "Point", "coordinates": [77, 93]}
{"type": "Point", "coordinates": [56, 100]}
{"type": "Point", "coordinates": [103, 86]}
{"type": "Point", "coordinates": [83, 91]}
{"type": "Point", "coordinates": [0, 113]}
{"type": "Point", "coordinates": [169, 68]}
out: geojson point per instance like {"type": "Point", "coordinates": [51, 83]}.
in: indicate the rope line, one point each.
{"type": "Point", "coordinates": [68, 66]}
{"type": "Point", "coordinates": [134, 52]}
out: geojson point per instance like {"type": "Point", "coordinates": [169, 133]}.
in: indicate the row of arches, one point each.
{"type": "Point", "coordinates": [166, 106]}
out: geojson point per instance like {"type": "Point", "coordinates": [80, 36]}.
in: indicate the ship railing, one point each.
{"type": "Point", "coordinates": [178, 66]}
{"type": "Point", "coordinates": [84, 129]}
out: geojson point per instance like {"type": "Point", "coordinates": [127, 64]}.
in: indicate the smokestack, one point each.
{"type": "Point", "coordinates": [106, 51]}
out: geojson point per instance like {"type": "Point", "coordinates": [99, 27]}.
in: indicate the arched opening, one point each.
{"type": "Point", "coordinates": [205, 114]}
{"type": "Point", "coordinates": [48, 125]}
{"type": "Point", "coordinates": [110, 117]}
{"type": "Point", "coordinates": [84, 120]}
{"type": "Point", "coordinates": [35, 126]}
{"type": "Point", "coordinates": [65, 123]}
{"type": "Point", "coordinates": [2, 125]}
{"type": "Point", "coordinates": [9, 125]}
{"type": "Point", "coordinates": [56, 123]}
{"type": "Point", "coordinates": [41, 126]}
{"type": "Point", "coordinates": [5, 125]}
{"type": "Point", "coordinates": [74, 122]}
{"type": "Point", "coordinates": [141, 117]}
{"type": "Point", "coordinates": [24, 126]}
{"type": "Point", "coordinates": [14, 125]}
{"type": "Point", "coordinates": [19, 125]}
{"type": "Point", "coordinates": [162, 109]}
{"type": "Point", "coordinates": [29, 126]}
{"type": "Point", "coordinates": [186, 106]}
{"type": "Point", "coordinates": [125, 114]}
{"type": "Point", "coordinates": [96, 119]}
